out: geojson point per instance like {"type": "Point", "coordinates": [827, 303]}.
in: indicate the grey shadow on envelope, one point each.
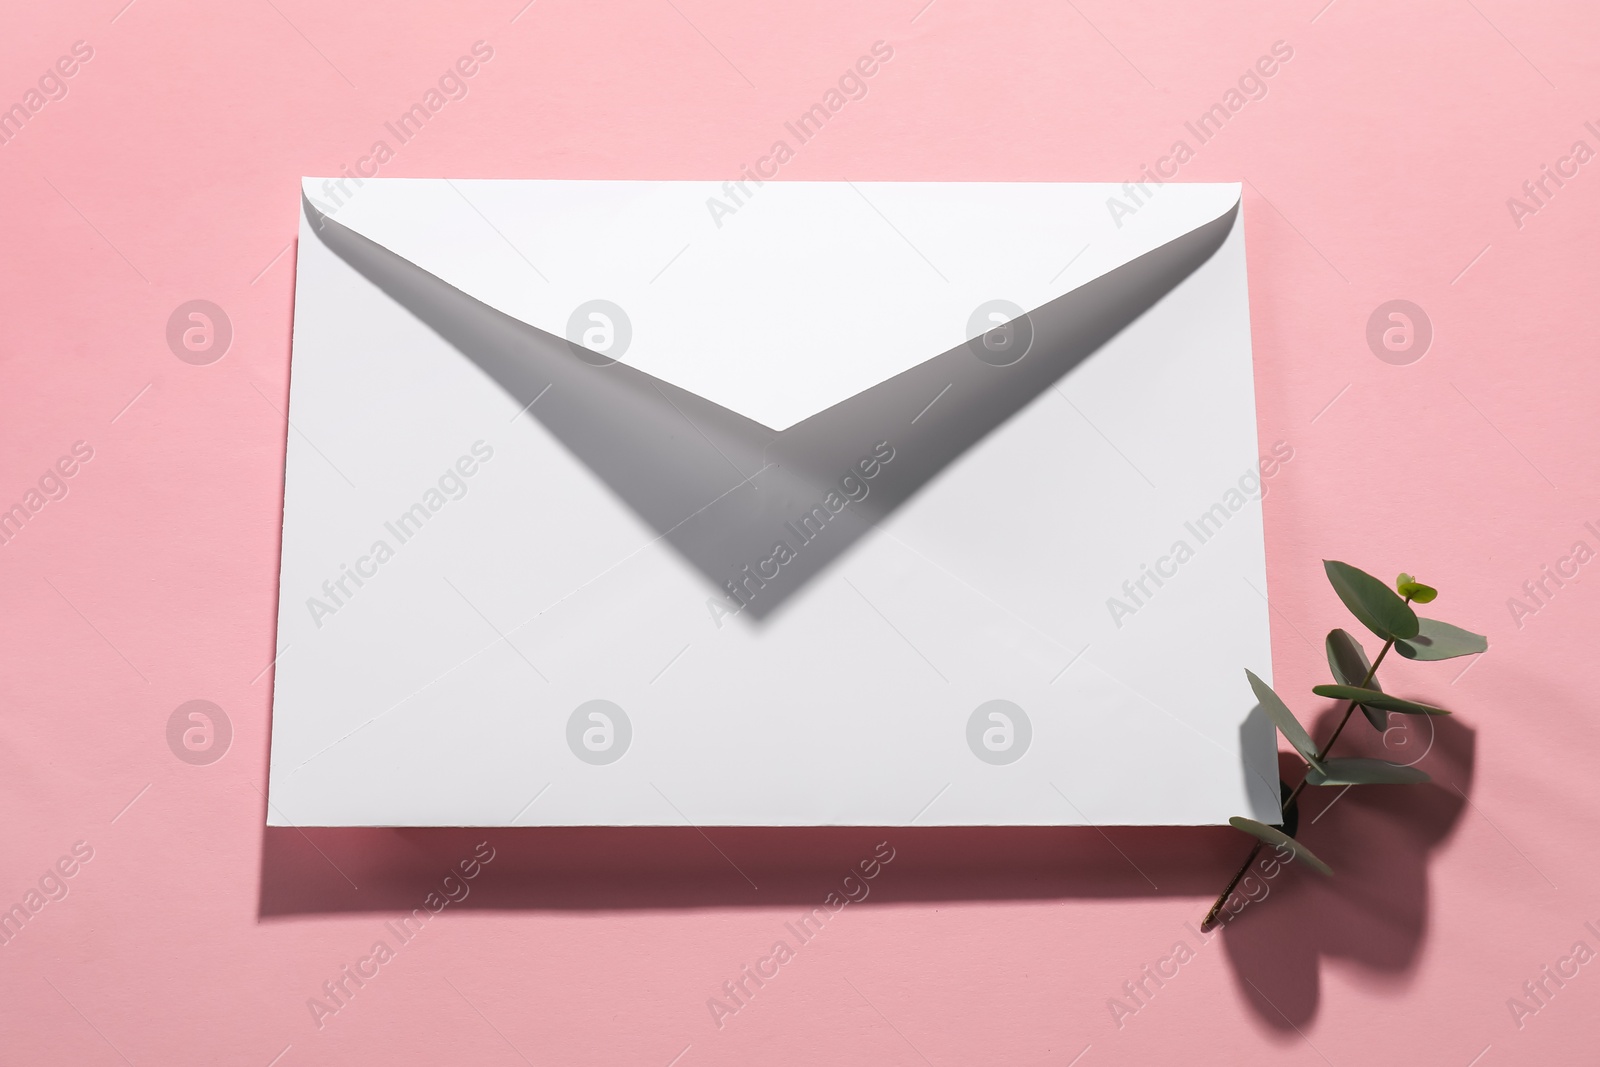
{"type": "Point", "coordinates": [725, 491]}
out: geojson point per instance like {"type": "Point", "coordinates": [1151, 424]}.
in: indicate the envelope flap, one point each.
{"type": "Point", "coordinates": [777, 300]}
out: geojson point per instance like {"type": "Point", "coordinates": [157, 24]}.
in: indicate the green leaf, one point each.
{"type": "Point", "coordinates": [1283, 718]}
{"type": "Point", "coordinates": [1376, 699]}
{"type": "Point", "coordinates": [1359, 771]}
{"type": "Point", "coordinates": [1274, 836]}
{"type": "Point", "coordinates": [1440, 640]}
{"type": "Point", "coordinates": [1348, 662]}
{"type": "Point", "coordinates": [1412, 589]}
{"type": "Point", "coordinates": [1377, 606]}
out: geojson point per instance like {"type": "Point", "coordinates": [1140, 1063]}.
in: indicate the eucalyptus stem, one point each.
{"type": "Point", "coordinates": [1211, 916]}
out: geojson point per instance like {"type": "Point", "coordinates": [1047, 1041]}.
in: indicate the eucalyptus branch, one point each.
{"type": "Point", "coordinates": [1388, 614]}
{"type": "Point", "coordinates": [1211, 916]}
{"type": "Point", "coordinates": [1365, 682]}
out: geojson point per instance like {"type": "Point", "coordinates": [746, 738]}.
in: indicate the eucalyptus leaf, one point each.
{"type": "Point", "coordinates": [1360, 771]}
{"type": "Point", "coordinates": [1372, 602]}
{"type": "Point", "coordinates": [1440, 640]}
{"type": "Point", "coordinates": [1412, 589]}
{"type": "Point", "coordinates": [1283, 718]}
{"type": "Point", "coordinates": [1274, 836]}
{"type": "Point", "coordinates": [1376, 699]}
{"type": "Point", "coordinates": [1348, 662]}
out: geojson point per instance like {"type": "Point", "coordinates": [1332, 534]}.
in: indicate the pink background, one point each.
{"type": "Point", "coordinates": [1377, 167]}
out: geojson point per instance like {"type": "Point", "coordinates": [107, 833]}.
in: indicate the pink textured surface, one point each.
{"type": "Point", "coordinates": [1378, 166]}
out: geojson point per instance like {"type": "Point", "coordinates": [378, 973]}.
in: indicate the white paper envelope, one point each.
{"type": "Point", "coordinates": [806, 503]}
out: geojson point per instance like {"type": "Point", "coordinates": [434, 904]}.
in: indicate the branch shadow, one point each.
{"type": "Point", "coordinates": [1373, 911]}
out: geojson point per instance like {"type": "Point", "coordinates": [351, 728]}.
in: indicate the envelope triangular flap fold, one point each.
{"type": "Point", "coordinates": [775, 301]}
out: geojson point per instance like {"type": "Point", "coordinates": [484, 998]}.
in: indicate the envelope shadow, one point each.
{"type": "Point", "coordinates": [760, 513]}
{"type": "Point", "coordinates": [1373, 911]}
{"type": "Point", "coordinates": [557, 869]}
